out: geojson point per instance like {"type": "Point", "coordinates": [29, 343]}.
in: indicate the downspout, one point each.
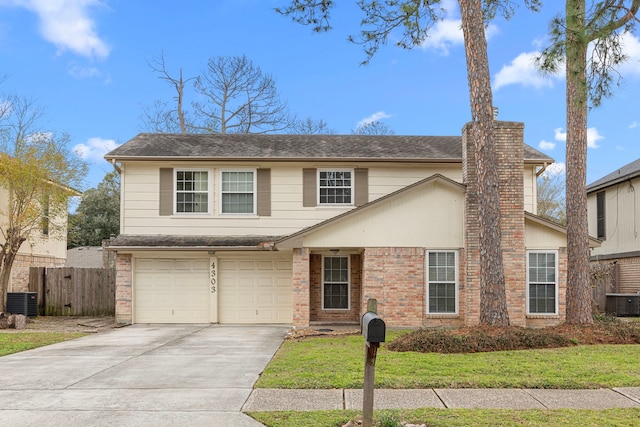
{"type": "Point", "coordinates": [541, 170]}
{"type": "Point", "coordinates": [115, 166]}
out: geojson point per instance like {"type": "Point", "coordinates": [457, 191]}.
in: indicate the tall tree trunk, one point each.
{"type": "Point", "coordinates": [578, 287]}
{"type": "Point", "coordinates": [493, 298]}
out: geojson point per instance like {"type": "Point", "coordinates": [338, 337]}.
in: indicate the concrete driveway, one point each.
{"type": "Point", "coordinates": [140, 375]}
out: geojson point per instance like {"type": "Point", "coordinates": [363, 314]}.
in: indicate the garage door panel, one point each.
{"type": "Point", "coordinates": [255, 290]}
{"type": "Point", "coordinates": [171, 291]}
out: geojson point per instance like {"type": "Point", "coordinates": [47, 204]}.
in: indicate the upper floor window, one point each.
{"type": "Point", "coordinates": [442, 282]}
{"type": "Point", "coordinates": [542, 282]}
{"type": "Point", "coordinates": [335, 187]}
{"type": "Point", "coordinates": [237, 194]}
{"type": "Point", "coordinates": [192, 191]}
{"type": "Point", "coordinates": [600, 215]}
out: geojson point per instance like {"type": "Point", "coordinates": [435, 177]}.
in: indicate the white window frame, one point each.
{"type": "Point", "coordinates": [455, 282]}
{"type": "Point", "coordinates": [254, 192]}
{"type": "Point", "coordinates": [324, 257]}
{"type": "Point", "coordinates": [352, 187]}
{"type": "Point", "coordinates": [209, 191]}
{"type": "Point", "coordinates": [556, 284]}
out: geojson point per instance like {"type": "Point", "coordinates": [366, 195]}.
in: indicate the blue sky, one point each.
{"type": "Point", "coordinates": [85, 62]}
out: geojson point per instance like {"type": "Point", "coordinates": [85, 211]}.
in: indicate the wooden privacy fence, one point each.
{"type": "Point", "coordinates": [72, 291]}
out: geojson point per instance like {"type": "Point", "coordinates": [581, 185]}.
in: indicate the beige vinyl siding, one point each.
{"type": "Point", "coordinates": [430, 215]}
{"type": "Point", "coordinates": [53, 245]}
{"type": "Point", "coordinates": [530, 186]}
{"type": "Point", "coordinates": [538, 236]}
{"type": "Point", "coordinates": [622, 218]}
{"type": "Point", "coordinates": [142, 182]}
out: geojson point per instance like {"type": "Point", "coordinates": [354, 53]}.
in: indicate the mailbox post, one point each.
{"type": "Point", "coordinates": [373, 330]}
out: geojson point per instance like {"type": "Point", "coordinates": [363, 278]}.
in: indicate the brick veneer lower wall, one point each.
{"type": "Point", "coordinates": [20, 269]}
{"type": "Point", "coordinates": [124, 279]}
{"type": "Point", "coordinates": [396, 278]}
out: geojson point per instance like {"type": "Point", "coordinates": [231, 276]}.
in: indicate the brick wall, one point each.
{"type": "Point", "coordinates": [317, 314]}
{"type": "Point", "coordinates": [301, 281]}
{"type": "Point", "coordinates": [20, 269]}
{"type": "Point", "coordinates": [396, 278]}
{"type": "Point", "coordinates": [509, 141]}
{"type": "Point", "coordinates": [124, 280]}
{"type": "Point", "coordinates": [471, 273]}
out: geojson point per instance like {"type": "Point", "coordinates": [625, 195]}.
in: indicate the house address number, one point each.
{"type": "Point", "coordinates": [213, 274]}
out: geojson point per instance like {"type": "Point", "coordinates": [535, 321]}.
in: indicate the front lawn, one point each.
{"type": "Point", "coordinates": [13, 342]}
{"type": "Point", "coordinates": [338, 362]}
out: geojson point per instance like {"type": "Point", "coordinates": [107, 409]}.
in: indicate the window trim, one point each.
{"type": "Point", "coordinates": [352, 187]}
{"type": "Point", "coordinates": [456, 281]}
{"type": "Point", "coordinates": [556, 283]}
{"type": "Point", "coordinates": [176, 170]}
{"type": "Point", "coordinates": [348, 257]}
{"type": "Point", "coordinates": [254, 192]}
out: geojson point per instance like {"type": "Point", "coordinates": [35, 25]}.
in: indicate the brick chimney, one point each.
{"type": "Point", "coordinates": [509, 143]}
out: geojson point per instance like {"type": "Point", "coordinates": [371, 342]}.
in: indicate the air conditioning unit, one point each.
{"type": "Point", "coordinates": [23, 303]}
{"type": "Point", "coordinates": [623, 304]}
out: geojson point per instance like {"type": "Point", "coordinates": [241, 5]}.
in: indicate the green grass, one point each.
{"type": "Point", "coordinates": [338, 362]}
{"type": "Point", "coordinates": [460, 417]}
{"type": "Point", "coordinates": [13, 342]}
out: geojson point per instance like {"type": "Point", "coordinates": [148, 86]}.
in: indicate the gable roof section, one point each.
{"type": "Point", "coordinates": [625, 173]}
{"type": "Point", "coordinates": [278, 147]}
{"type": "Point", "coordinates": [296, 238]}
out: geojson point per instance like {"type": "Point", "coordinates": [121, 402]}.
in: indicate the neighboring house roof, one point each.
{"type": "Point", "coordinates": [154, 146]}
{"type": "Point", "coordinates": [625, 173]}
{"type": "Point", "coordinates": [84, 257]}
{"type": "Point", "coordinates": [170, 242]}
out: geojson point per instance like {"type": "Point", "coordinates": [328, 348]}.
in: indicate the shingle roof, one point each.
{"type": "Point", "coordinates": [85, 257]}
{"type": "Point", "coordinates": [205, 242]}
{"type": "Point", "coordinates": [298, 147]}
{"type": "Point", "coordinates": [626, 172]}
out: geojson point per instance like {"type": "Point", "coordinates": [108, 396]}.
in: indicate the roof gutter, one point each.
{"type": "Point", "coordinates": [191, 248]}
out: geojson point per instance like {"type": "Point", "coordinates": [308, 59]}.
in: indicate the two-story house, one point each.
{"type": "Point", "coordinates": [614, 218]}
{"type": "Point", "coordinates": [304, 229]}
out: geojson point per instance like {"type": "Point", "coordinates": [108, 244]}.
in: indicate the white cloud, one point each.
{"type": "Point", "coordinates": [95, 148]}
{"type": "Point", "coordinates": [547, 145]}
{"type": "Point", "coordinates": [447, 32]}
{"type": "Point", "coordinates": [631, 48]}
{"type": "Point", "coordinates": [593, 136]}
{"type": "Point", "coordinates": [559, 135]}
{"type": "Point", "coordinates": [373, 118]}
{"type": "Point", "coordinates": [558, 168]}
{"type": "Point", "coordinates": [522, 70]}
{"type": "Point", "coordinates": [67, 24]}
{"type": "Point", "coordinates": [84, 72]}
{"type": "Point", "coordinates": [634, 125]}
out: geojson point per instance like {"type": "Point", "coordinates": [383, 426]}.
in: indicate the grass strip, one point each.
{"type": "Point", "coordinates": [13, 342]}
{"type": "Point", "coordinates": [619, 417]}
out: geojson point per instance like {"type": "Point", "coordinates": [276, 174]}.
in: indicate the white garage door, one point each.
{"type": "Point", "coordinates": [255, 289]}
{"type": "Point", "coordinates": [171, 291]}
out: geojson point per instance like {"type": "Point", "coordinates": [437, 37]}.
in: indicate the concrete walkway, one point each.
{"type": "Point", "coordinates": [141, 375]}
{"type": "Point", "coordinates": [308, 400]}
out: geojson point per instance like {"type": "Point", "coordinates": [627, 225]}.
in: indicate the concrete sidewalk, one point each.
{"type": "Point", "coordinates": [338, 399]}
